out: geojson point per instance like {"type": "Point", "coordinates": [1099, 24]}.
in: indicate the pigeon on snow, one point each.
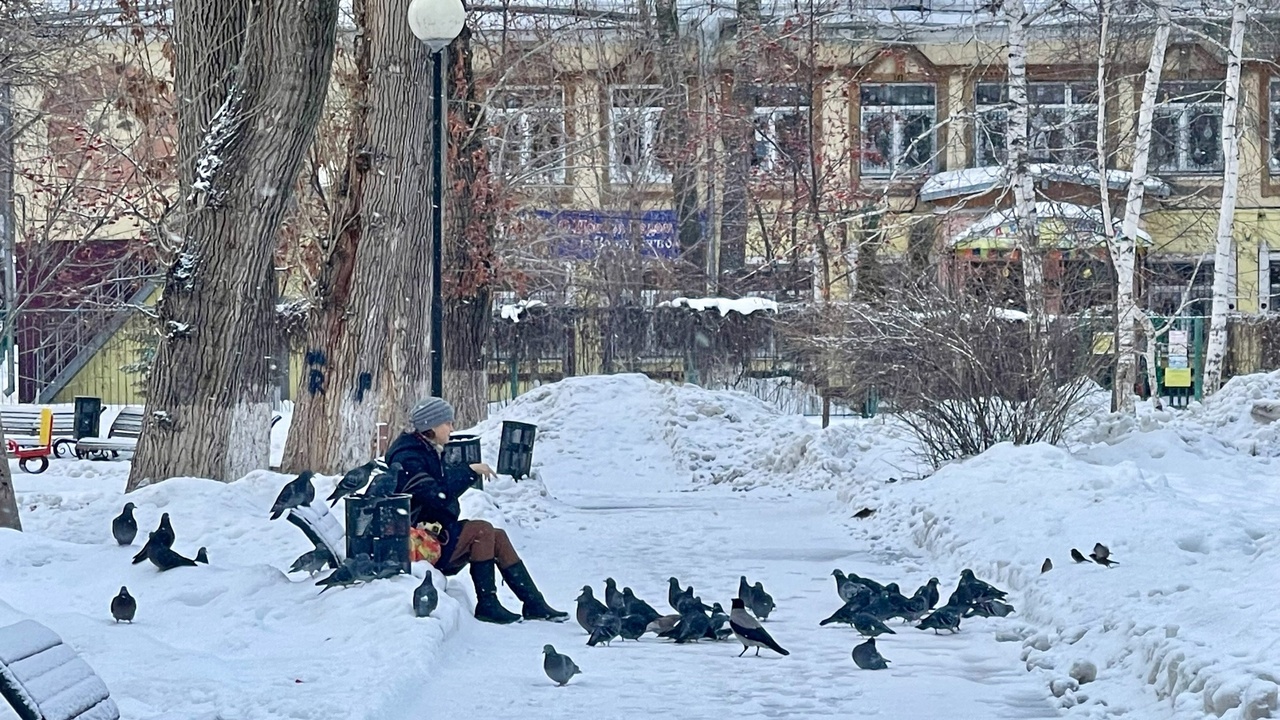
{"type": "Point", "coordinates": [560, 668]}
{"type": "Point", "coordinates": [1102, 555]}
{"type": "Point", "coordinates": [125, 528]}
{"type": "Point", "coordinates": [612, 598]}
{"type": "Point", "coordinates": [425, 597]}
{"type": "Point", "coordinates": [1078, 556]}
{"type": "Point", "coordinates": [123, 606]}
{"type": "Point", "coordinates": [312, 562]}
{"type": "Point", "coordinates": [165, 558]}
{"type": "Point", "coordinates": [633, 605]}
{"type": "Point", "coordinates": [162, 537]}
{"type": "Point", "coordinates": [944, 618]}
{"type": "Point", "coordinates": [870, 626]}
{"type": "Point", "coordinates": [607, 627]}
{"type": "Point", "coordinates": [867, 657]}
{"type": "Point", "coordinates": [761, 602]}
{"type": "Point", "coordinates": [352, 481]}
{"type": "Point", "coordinates": [296, 493]}
{"type": "Point", "coordinates": [202, 555]}
{"type": "Point", "coordinates": [632, 627]}
{"type": "Point", "coordinates": [589, 609]}
{"type": "Point", "coordinates": [749, 631]}
{"type": "Point", "coordinates": [1047, 566]}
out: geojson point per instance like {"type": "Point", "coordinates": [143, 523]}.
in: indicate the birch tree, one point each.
{"type": "Point", "coordinates": [1224, 247]}
{"type": "Point", "coordinates": [1131, 322]}
{"type": "Point", "coordinates": [251, 80]}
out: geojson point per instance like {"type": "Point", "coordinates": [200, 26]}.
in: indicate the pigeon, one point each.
{"type": "Point", "coordinates": [166, 559]}
{"type": "Point", "coordinates": [1078, 556]}
{"type": "Point", "coordinates": [352, 481]}
{"type": "Point", "coordinates": [749, 631]}
{"type": "Point", "coordinates": [125, 527]}
{"type": "Point", "coordinates": [868, 583]}
{"type": "Point", "coordinates": [202, 555]}
{"type": "Point", "coordinates": [162, 537]}
{"type": "Point", "coordinates": [662, 625]}
{"type": "Point", "coordinates": [589, 609]}
{"type": "Point", "coordinates": [870, 626]}
{"type": "Point", "coordinates": [633, 605]}
{"type": "Point", "coordinates": [1102, 555]}
{"type": "Point", "coordinates": [867, 657]}
{"type": "Point", "coordinates": [864, 513]}
{"type": "Point", "coordinates": [1047, 566]}
{"type": "Point", "coordinates": [345, 575]}
{"type": "Point", "coordinates": [845, 587]}
{"type": "Point", "coordinates": [744, 590]}
{"type": "Point", "coordinates": [944, 618]}
{"type": "Point", "coordinates": [762, 602]}
{"type": "Point", "coordinates": [719, 621]}
{"type": "Point", "coordinates": [607, 627]}
{"type": "Point", "coordinates": [312, 562]}
{"type": "Point", "coordinates": [613, 598]}
{"type": "Point", "coordinates": [977, 590]}
{"type": "Point", "coordinates": [560, 668]}
{"type": "Point", "coordinates": [693, 626]}
{"type": "Point", "coordinates": [852, 607]}
{"type": "Point", "coordinates": [382, 486]}
{"type": "Point", "coordinates": [425, 597]}
{"type": "Point", "coordinates": [990, 608]}
{"type": "Point", "coordinates": [674, 592]}
{"type": "Point", "coordinates": [296, 493]}
{"type": "Point", "coordinates": [632, 627]}
{"type": "Point", "coordinates": [691, 602]}
{"type": "Point", "coordinates": [930, 592]}
{"type": "Point", "coordinates": [123, 606]}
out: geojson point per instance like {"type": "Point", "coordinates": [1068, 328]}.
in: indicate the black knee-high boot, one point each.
{"type": "Point", "coordinates": [535, 606]}
{"type": "Point", "coordinates": [488, 609]}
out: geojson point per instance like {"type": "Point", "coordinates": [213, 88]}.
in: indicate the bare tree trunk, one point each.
{"type": "Point", "coordinates": [1124, 250]}
{"type": "Point", "coordinates": [1224, 253]}
{"type": "Point", "coordinates": [469, 258]}
{"type": "Point", "coordinates": [679, 144]}
{"type": "Point", "coordinates": [251, 80]}
{"type": "Point", "coordinates": [1024, 198]}
{"type": "Point", "coordinates": [9, 517]}
{"type": "Point", "coordinates": [739, 134]}
{"type": "Point", "coordinates": [379, 218]}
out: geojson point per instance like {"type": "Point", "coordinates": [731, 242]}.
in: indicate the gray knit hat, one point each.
{"type": "Point", "coordinates": [430, 413]}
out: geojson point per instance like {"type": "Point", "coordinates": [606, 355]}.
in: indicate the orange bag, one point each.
{"type": "Point", "coordinates": [423, 544]}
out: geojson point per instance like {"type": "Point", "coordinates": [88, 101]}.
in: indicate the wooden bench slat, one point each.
{"type": "Point", "coordinates": [73, 701]}
{"type": "Point", "coordinates": [44, 679]}
{"type": "Point", "coordinates": [24, 639]}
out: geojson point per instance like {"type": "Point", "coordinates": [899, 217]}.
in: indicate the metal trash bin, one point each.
{"type": "Point", "coordinates": [515, 451]}
{"type": "Point", "coordinates": [379, 528]}
{"type": "Point", "coordinates": [88, 417]}
{"type": "Point", "coordinates": [459, 454]}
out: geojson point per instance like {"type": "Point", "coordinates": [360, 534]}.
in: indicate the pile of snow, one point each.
{"type": "Point", "coordinates": [619, 423]}
{"type": "Point", "coordinates": [513, 311]}
{"type": "Point", "coordinates": [742, 306]}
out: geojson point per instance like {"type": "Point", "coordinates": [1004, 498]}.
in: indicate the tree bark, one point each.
{"type": "Point", "coordinates": [680, 145]}
{"type": "Point", "coordinates": [251, 80]}
{"type": "Point", "coordinates": [9, 517]}
{"type": "Point", "coordinates": [381, 214]}
{"type": "Point", "coordinates": [739, 135]}
{"type": "Point", "coordinates": [1224, 252]}
{"type": "Point", "coordinates": [469, 257]}
{"type": "Point", "coordinates": [1024, 199]}
{"type": "Point", "coordinates": [1131, 322]}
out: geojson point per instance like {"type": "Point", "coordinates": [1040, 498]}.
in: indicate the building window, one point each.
{"type": "Point", "coordinates": [1274, 103]}
{"type": "Point", "coordinates": [1063, 123]}
{"type": "Point", "coordinates": [898, 128]}
{"type": "Point", "coordinates": [1186, 131]}
{"type": "Point", "coordinates": [1271, 291]}
{"type": "Point", "coordinates": [1180, 287]}
{"type": "Point", "coordinates": [635, 119]}
{"type": "Point", "coordinates": [782, 143]}
{"type": "Point", "coordinates": [528, 135]}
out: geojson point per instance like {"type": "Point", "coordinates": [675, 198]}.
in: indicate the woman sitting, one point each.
{"type": "Point", "coordinates": [475, 542]}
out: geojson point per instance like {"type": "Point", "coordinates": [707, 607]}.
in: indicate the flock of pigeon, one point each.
{"type": "Point", "coordinates": [158, 549]}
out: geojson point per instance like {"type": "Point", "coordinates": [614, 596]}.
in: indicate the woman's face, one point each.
{"type": "Point", "coordinates": [441, 432]}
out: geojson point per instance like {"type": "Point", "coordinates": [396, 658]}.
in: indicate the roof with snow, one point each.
{"type": "Point", "coordinates": [976, 181]}
{"type": "Point", "coordinates": [1062, 224]}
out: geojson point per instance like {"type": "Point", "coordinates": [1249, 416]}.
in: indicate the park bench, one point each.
{"type": "Point", "coordinates": [321, 528]}
{"type": "Point", "coordinates": [42, 678]}
{"type": "Point", "coordinates": [121, 437]}
{"type": "Point", "coordinates": [22, 425]}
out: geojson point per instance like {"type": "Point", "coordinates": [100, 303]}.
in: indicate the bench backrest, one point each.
{"type": "Point", "coordinates": [128, 423]}
{"type": "Point", "coordinates": [25, 420]}
{"type": "Point", "coordinates": [44, 679]}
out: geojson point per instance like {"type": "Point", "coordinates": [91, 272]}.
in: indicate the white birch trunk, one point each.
{"type": "Point", "coordinates": [1024, 199]}
{"type": "Point", "coordinates": [1224, 252]}
{"type": "Point", "coordinates": [1131, 323]}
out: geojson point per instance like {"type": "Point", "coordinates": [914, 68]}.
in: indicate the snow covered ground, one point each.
{"type": "Point", "coordinates": [641, 481]}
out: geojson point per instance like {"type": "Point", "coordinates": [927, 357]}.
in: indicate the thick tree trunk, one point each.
{"type": "Point", "coordinates": [1024, 199]}
{"type": "Point", "coordinates": [739, 137]}
{"type": "Point", "coordinates": [680, 145]}
{"type": "Point", "coordinates": [9, 517]}
{"type": "Point", "coordinates": [380, 217]}
{"type": "Point", "coordinates": [1224, 252]}
{"type": "Point", "coordinates": [1131, 322]}
{"type": "Point", "coordinates": [251, 80]}
{"type": "Point", "coordinates": [469, 258]}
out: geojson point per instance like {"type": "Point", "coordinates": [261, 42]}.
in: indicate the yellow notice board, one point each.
{"type": "Point", "coordinates": [1177, 377]}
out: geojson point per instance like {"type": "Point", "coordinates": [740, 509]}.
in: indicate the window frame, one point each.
{"type": "Point", "coordinates": [652, 171]}
{"type": "Point", "coordinates": [555, 173]}
{"type": "Point", "coordinates": [1080, 150]}
{"type": "Point", "coordinates": [894, 168]}
{"type": "Point", "coordinates": [1273, 118]}
{"type": "Point", "coordinates": [775, 161]}
{"type": "Point", "coordinates": [1183, 110]}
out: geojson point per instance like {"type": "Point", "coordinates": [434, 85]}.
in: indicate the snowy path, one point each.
{"type": "Point", "coordinates": [709, 538]}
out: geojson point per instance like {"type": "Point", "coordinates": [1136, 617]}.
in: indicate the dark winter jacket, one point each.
{"type": "Point", "coordinates": [434, 499]}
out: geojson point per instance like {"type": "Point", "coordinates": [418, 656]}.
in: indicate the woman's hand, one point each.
{"type": "Point", "coordinates": [483, 470]}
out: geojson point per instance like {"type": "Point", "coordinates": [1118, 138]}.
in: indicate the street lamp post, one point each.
{"type": "Point", "coordinates": [437, 23]}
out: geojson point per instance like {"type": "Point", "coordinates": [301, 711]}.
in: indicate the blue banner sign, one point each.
{"type": "Point", "coordinates": [584, 234]}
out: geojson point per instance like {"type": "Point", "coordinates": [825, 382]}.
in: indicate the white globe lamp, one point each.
{"type": "Point", "coordinates": [436, 22]}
